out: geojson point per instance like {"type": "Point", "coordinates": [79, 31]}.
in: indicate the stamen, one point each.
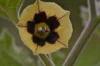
{"type": "Point", "coordinates": [38, 4]}
{"type": "Point", "coordinates": [61, 43]}
{"type": "Point", "coordinates": [62, 16]}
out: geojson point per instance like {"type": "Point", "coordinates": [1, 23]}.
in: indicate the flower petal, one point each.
{"type": "Point", "coordinates": [27, 38]}
{"type": "Point", "coordinates": [65, 30]}
{"type": "Point", "coordinates": [52, 9]}
{"type": "Point", "coordinates": [28, 14]}
{"type": "Point", "coordinates": [52, 38]}
{"type": "Point", "coordinates": [49, 48]}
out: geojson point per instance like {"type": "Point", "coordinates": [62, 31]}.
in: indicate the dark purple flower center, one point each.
{"type": "Point", "coordinates": [43, 29]}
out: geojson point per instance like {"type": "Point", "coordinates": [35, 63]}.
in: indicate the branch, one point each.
{"type": "Point", "coordinates": [85, 35]}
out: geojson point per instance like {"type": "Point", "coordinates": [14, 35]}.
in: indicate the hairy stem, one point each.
{"type": "Point", "coordinates": [85, 35]}
{"type": "Point", "coordinates": [45, 60]}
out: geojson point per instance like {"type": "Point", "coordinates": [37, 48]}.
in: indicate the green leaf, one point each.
{"type": "Point", "coordinates": [9, 9]}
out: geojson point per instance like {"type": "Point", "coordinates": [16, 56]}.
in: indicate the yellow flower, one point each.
{"type": "Point", "coordinates": [45, 27]}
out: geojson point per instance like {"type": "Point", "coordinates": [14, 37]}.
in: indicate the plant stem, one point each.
{"type": "Point", "coordinates": [85, 35]}
{"type": "Point", "coordinates": [45, 60]}
{"type": "Point", "coordinates": [50, 59]}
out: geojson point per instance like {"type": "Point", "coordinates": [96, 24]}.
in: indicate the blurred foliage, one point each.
{"type": "Point", "coordinates": [98, 30]}
{"type": "Point", "coordinates": [90, 56]}
{"type": "Point", "coordinates": [9, 9]}
{"type": "Point", "coordinates": [10, 56]}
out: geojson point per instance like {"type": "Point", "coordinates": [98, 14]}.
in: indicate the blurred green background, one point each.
{"type": "Point", "coordinates": [14, 53]}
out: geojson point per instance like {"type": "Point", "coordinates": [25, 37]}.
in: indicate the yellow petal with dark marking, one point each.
{"type": "Point", "coordinates": [65, 29]}
{"type": "Point", "coordinates": [28, 14]}
{"type": "Point", "coordinates": [27, 38]}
